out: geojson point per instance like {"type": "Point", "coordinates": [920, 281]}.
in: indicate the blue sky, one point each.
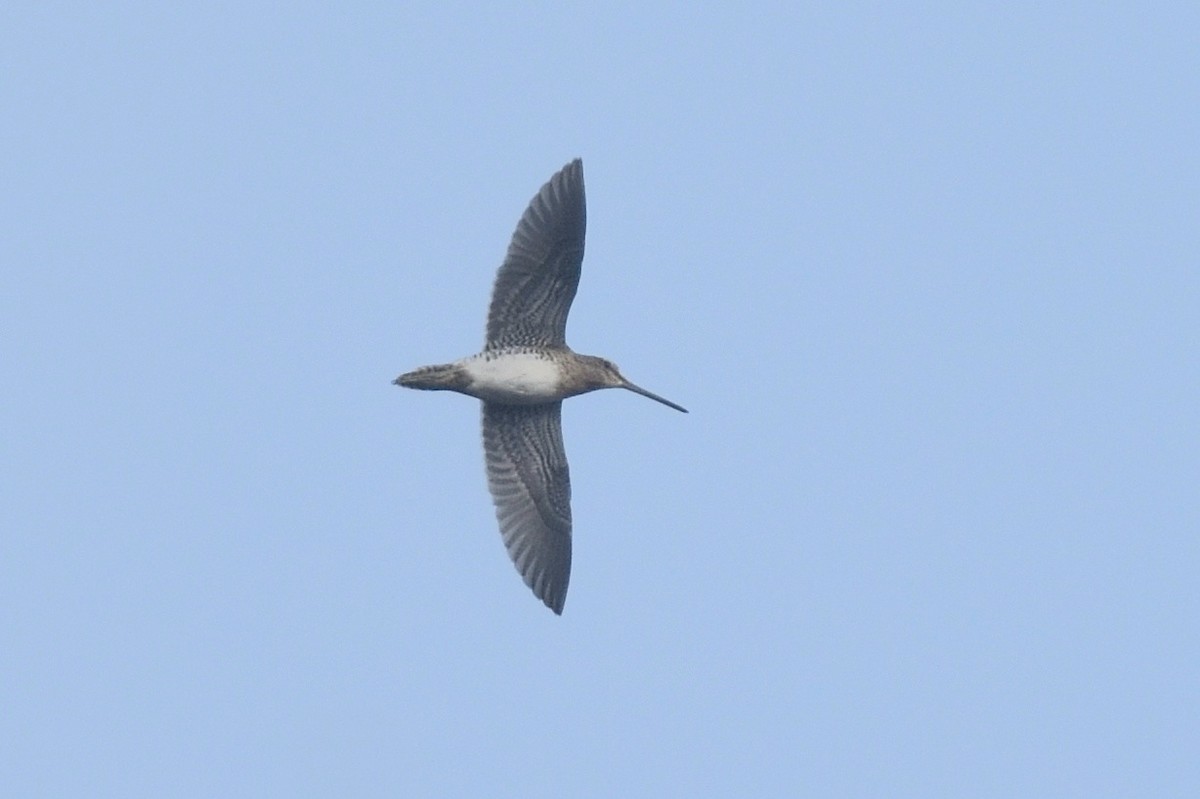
{"type": "Point", "coordinates": [925, 277]}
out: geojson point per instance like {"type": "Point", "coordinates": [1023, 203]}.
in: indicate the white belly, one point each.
{"type": "Point", "coordinates": [520, 379]}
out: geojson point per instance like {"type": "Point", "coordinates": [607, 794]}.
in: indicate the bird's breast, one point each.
{"type": "Point", "coordinates": [517, 379]}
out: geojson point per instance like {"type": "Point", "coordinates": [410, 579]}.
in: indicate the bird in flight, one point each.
{"type": "Point", "coordinates": [523, 374]}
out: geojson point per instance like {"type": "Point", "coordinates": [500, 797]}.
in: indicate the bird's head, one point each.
{"type": "Point", "coordinates": [604, 373]}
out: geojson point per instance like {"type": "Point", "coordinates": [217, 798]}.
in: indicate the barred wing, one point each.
{"type": "Point", "coordinates": [531, 486]}
{"type": "Point", "coordinates": [536, 283]}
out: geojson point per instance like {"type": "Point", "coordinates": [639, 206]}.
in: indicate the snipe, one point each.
{"type": "Point", "coordinates": [523, 374]}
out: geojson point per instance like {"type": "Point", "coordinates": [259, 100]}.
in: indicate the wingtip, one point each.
{"type": "Point", "coordinates": [553, 601]}
{"type": "Point", "coordinates": [551, 598]}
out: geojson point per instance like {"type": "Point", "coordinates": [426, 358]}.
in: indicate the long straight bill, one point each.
{"type": "Point", "coordinates": [653, 396]}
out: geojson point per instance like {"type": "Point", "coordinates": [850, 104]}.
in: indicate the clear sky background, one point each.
{"type": "Point", "coordinates": [928, 279]}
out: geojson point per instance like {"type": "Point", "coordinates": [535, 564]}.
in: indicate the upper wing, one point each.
{"type": "Point", "coordinates": [531, 486]}
{"type": "Point", "coordinates": [537, 281]}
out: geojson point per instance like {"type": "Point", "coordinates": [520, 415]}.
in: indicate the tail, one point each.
{"type": "Point", "coordinates": [443, 377]}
